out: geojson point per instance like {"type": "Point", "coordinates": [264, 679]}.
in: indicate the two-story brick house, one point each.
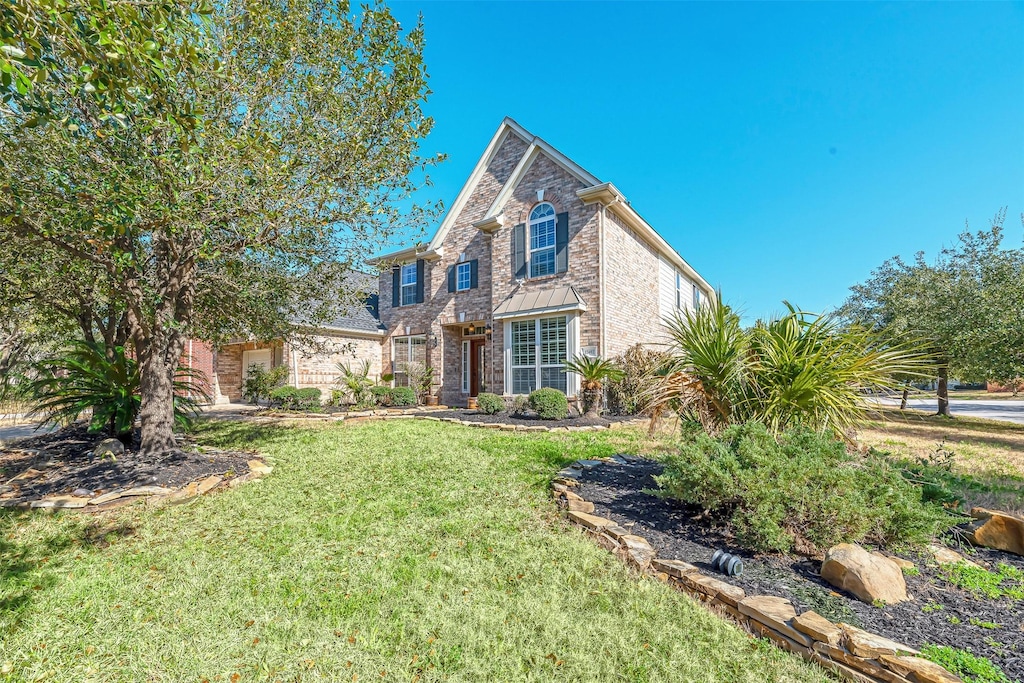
{"type": "Point", "coordinates": [536, 261]}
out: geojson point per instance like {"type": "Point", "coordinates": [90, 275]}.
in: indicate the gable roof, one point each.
{"type": "Point", "coordinates": [594, 191]}
{"type": "Point", "coordinates": [358, 316]}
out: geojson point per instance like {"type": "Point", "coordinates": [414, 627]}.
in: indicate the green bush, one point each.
{"type": "Point", "coordinates": [290, 398]}
{"type": "Point", "coordinates": [640, 365]}
{"type": "Point", "coordinates": [403, 396]}
{"type": "Point", "coordinates": [549, 404]}
{"type": "Point", "coordinates": [492, 404]}
{"type": "Point", "coordinates": [260, 382]}
{"type": "Point", "coordinates": [803, 492]}
{"type": "Point", "coordinates": [382, 396]}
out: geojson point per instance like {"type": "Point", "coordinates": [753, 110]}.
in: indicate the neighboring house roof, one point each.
{"type": "Point", "coordinates": [594, 191]}
{"type": "Point", "coordinates": [551, 300]}
{"type": "Point", "coordinates": [358, 317]}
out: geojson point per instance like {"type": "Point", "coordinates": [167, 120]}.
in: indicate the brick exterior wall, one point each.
{"type": "Point", "coordinates": [631, 273]}
{"type": "Point", "coordinates": [318, 367]}
{"type": "Point", "coordinates": [199, 356]}
{"type": "Point", "coordinates": [632, 314]}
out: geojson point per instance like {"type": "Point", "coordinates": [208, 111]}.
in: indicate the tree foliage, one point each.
{"type": "Point", "coordinates": [215, 169]}
{"type": "Point", "coordinates": [966, 303]}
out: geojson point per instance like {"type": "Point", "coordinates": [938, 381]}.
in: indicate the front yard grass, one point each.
{"type": "Point", "coordinates": [389, 551]}
{"type": "Point", "coordinates": [984, 458]}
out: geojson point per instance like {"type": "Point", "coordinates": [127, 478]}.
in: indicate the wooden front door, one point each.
{"type": "Point", "coordinates": [476, 365]}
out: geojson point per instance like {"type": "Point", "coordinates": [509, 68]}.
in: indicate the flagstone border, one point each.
{"type": "Point", "coordinates": [847, 651]}
{"type": "Point", "coordinates": [152, 495]}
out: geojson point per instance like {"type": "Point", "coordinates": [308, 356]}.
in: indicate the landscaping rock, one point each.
{"type": "Point", "coordinates": [818, 627]}
{"type": "Point", "coordinates": [675, 568]}
{"type": "Point", "coordinates": [864, 644]}
{"type": "Point", "coordinates": [871, 668]}
{"type": "Point", "coordinates": [259, 468]}
{"type": "Point", "coordinates": [83, 493]}
{"type": "Point", "coordinates": [998, 530]}
{"type": "Point", "coordinates": [106, 497]}
{"type": "Point", "coordinates": [945, 555]}
{"type": "Point", "coordinates": [146, 491]}
{"type": "Point", "coordinates": [111, 447]}
{"type": "Point", "coordinates": [61, 502]}
{"type": "Point", "coordinates": [638, 550]}
{"type": "Point", "coordinates": [918, 669]}
{"type": "Point", "coordinates": [775, 613]}
{"type": "Point", "coordinates": [867, 576]}
{"type": "Point", "coordinates": [714, 588]}
{"type": "Point", "coordinates": [590, 521]}
{"type": "Point", "coordinates": [208, 484]}
{"type": "Point", "coordinates": [183, 494]}
{"type": "Point", "coordinates": [578, 505]}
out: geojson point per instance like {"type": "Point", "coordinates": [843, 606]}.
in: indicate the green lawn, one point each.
{"type": "Point", "coordinates": [394, 551]}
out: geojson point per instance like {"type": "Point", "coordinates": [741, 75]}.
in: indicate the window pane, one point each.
{"type": "Point", "coordinates": [542, 210]}
{"type": "Point", "coordinates": [463, 276]}
{"type": "Point", "coordinates": [524, 340]}
{"type": "Point", "coordinates": [524, 380]}
{"type": "Point", "coordinates": [542, 263]}
{"type": "Point", "coordinates": [553, 349]}
{"type": "Point", "coordinates": [408, 294]}
{"type": "Point", "coordinates": [409, 274]}
{"type": "Point", "coordinates": [554, 378]}
{"type": "Point", "coordinates": [542, 235]}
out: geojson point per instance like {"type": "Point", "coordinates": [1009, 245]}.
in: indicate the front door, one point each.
{"type": "Point", "coordinates": [476, 365]}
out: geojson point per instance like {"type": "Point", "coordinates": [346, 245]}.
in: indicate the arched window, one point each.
{"type": "Point", "coordinates": [542, 240]}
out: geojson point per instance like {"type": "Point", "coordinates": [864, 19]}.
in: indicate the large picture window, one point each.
{"type": "Point", "coordinates": [542, 240]}
{"type": "Point", "coordinates": [539, 352]}
{"type": "Point", "coordinates": [408, 284]}
{"type": "Point", "coordinates": [408, 350]}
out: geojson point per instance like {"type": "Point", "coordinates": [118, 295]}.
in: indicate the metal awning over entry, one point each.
{"type": "Point", "coordinates": [539, 302]}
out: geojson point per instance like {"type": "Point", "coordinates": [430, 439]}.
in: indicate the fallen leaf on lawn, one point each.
{"type": "Point", "coordinates": [255, 641]}
{"type": "Point", "coordinates": [339, 634]}
{"type": "Point", "coordinates": [250, 623]}
{"type": "Point", "coordinates": [234, 677]}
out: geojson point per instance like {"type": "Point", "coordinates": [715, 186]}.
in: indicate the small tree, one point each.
{"type": "Point", "coordinates": [594, 374]}
{"type": "Point", "coordinates": [355, 383]}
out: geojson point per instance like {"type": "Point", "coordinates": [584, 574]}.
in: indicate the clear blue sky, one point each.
{"type": "Point", "coordinates": [784, 149]}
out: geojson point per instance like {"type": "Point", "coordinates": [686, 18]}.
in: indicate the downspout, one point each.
{"type": "Point", "coordinates": [601, 259]}
{"type": "Point", "coordinates": [295, 367]}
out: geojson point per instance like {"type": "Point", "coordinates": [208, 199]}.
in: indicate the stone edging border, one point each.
{"type": "Point", "coordinates": [424, 414]}
{"type": "Point", "coordinates": [153, 495]}
{"type": "Point", "coordinates": [847, 651]}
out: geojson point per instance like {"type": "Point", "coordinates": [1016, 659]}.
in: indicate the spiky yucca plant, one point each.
{"type": "Point", "coordinates": [593, 374]}
{"type": "Point", "coordinates": [797, 369]}
{"type": "Point", "coordinates": [355, 381]}
{"type": "Point", "coordinates": [89, 379]}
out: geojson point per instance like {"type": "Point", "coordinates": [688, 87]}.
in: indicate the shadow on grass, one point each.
{"type": "Point", "coordinates": [239, 434]}
{"type": "Point", "coordinates": [29, 567]}
{"type": "Point", "coordinates": [886, 418]}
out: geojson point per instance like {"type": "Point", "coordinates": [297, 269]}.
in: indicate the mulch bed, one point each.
{"type": "Point", "coordinates": [66, 464]}
{"type": "Point", "coordinates": [529, 420]}
{"type": "Point", "coordinates": [677, 532]}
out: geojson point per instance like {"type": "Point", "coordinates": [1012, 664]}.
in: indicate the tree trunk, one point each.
{"type": "Point", "coordinates": [158, 364]}
{"type": "Point", "coordinates": [903, 401]}
{"type": "Point", "coordinates": [943, 390]}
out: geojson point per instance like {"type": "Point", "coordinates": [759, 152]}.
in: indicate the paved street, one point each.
{"type": "Point", "coordinates": [1005, 410]}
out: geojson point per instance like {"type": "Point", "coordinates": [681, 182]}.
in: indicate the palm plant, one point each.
{"type": "Point", "coordinates": [797, 369]}
{"type": "Point", "coordinates": [89, 377]}
{"type": "Point", "coordinates": [594, 373]}
{"type": "Point", "coordinates": [355, 382]}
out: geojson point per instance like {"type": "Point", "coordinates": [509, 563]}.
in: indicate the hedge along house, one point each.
{"type": "Point", "coordinates": [351, 337]}
{"type": "Point", "coordinates": [537, 261]}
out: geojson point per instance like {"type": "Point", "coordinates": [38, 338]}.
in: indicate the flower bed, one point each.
{"type": "Point", "coordinates": [940, 613]}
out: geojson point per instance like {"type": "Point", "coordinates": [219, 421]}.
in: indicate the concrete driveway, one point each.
{"type": "Point", "coordinates": [1006, 410]}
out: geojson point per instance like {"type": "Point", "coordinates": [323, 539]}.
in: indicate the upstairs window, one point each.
{"type": "Point", "coordinates": [408, 284]}
{"type": "Point", "coordinates": [696, 297]}
{"type": "Point", "coordinates": [679, 290]}
{"type": "Point", "coordinates": [542, 240]}
{"type": "Point", "coordinates": [463, 277]}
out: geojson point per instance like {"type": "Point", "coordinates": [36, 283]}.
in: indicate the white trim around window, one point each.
{"type": "Point", "coordinates": [541, 240]}
{"type": "Point", "coordinates": [463, 276]}
{"type": "Point", "coordinates": [408, 284]}
{"type": "Point", "coordinates": [466, 360]}
{"type": "Point", "coordinates": [536, 348]}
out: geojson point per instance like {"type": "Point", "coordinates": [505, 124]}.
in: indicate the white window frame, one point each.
{"type": "Point", "coordinates": [572, 345]}
{"type": "Point", "coordinates": [460, 270]}
{"type": "Point", "coordinates": [407, 284]}
{"type": "Point", "coordinates": [466, 360]}
{"type": "Point", "coordinates": [532, 252]}
{"type": "Point", "coordinates": [679, 290]}
{"type": "Point", "coordinates": [696, 296]}
{"type": "Point", "coordinates": [395, 370]}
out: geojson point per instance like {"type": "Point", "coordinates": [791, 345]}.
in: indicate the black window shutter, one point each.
{"type": "Point", "coordinates": [419, 280]}
{"type": "Point", "coordinates": [396, 286]}
{"type": "Point", "coordinates": [519, 251]}
{"type": "Point", "coordinates": [562, 242]}
{"type": "Point", "coordinates": [473, 277]}
{"type": "Point", "coordinates": [451, 278]}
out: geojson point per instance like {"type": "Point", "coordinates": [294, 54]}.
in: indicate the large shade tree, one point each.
{"type": "Point", "coordinates": [965, 303]}
{"type": "Point", "coordinates": [215, 168]}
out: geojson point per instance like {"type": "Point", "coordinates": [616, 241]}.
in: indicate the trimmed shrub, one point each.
{"type": "Point", "coordinates": [517, 405]}
{"type": "Point", "coordinates": [290, 398]}
{"type": "Point", "coordinates": [802, 493]}
{"type": "Point", "coordinates": [383, 396]}
{"type": "Point", "coordinates": [549, 404]}
{"type": "Point", "coordinates": [403, 396]}
{"type": "Point", "coordinates": [260, 382]}
{"type": "Point", "coordinates": [492, 404]}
